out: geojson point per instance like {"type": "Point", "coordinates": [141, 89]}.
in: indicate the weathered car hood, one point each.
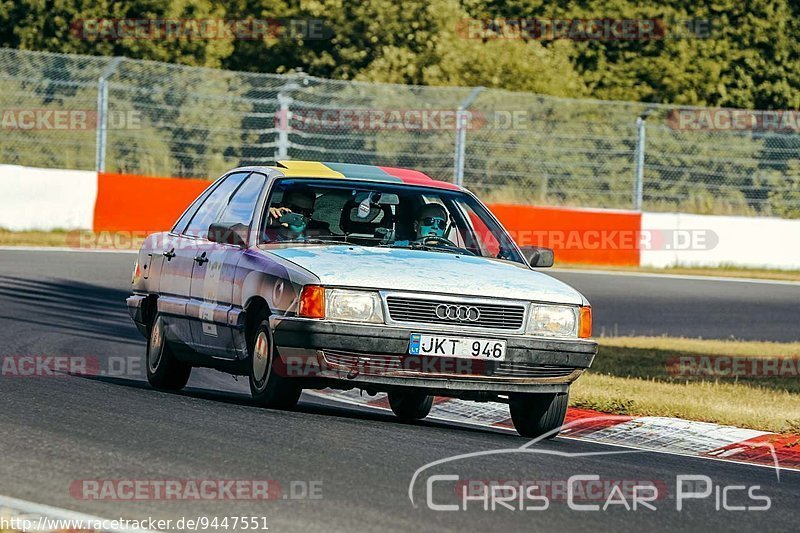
{"type": "Point", "coordinates": [417, 270]}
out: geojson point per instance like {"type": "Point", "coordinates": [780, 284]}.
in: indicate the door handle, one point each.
{"type": "Point", "coordinates": [169, 254]}
{"type": "Point", "coordinates": [200, 259]}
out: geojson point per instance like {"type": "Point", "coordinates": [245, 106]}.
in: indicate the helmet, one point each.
{"type": "Point", "coordinates": [292, 225]}
{"type": "Point", "coordinates": [431, 221]}
{"type": "Point", "coordinates": [299, 201]}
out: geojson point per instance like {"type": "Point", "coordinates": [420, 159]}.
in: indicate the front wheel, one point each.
{"type": "Point", "coordinates": [410, 406]}
{"type": "Point", "coordinates": [267, 387]}
{"type": "Point", "coordinates": [535, 415]}
{"type": "Point", "coordinates": [164, 371]}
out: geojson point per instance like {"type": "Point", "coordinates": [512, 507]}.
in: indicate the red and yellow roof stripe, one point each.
{"type": "Point", "coordinates": [316, 169]}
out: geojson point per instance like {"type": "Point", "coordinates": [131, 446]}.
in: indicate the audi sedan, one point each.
{"type": "Point", "coordinates": [309, 275]}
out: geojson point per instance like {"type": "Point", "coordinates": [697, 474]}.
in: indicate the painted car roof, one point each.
{"type": "Point", "coordinates": [316, 169]}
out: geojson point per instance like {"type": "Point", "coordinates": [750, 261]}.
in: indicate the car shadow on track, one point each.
{"type": "Point", "coordinates": [309, 406]}
{"type": "Point", "coordinates": [62, 306]}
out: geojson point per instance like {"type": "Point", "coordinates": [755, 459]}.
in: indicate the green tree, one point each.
{"type": "Point", "coordinates": [55, 26]}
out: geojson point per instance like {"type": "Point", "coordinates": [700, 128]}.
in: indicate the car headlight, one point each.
{"type": "Point", "coordinates": [553, 321]}
{"type": "Point", "coordinates": [357, 306]}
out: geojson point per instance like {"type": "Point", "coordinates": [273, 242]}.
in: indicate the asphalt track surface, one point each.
{"type": "Point", "coordinates": [56, 430]}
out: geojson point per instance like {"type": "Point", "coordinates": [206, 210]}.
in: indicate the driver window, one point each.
{"type": "Point", "coordinates": [213, 205]}
{"type": "Point", "coordinates": [243, 202]}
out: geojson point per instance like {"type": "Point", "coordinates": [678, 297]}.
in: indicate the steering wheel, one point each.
{"type": "Point", "coordinates": [436, 240]}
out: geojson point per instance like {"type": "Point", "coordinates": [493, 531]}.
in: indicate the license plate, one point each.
{"type": "Point", "coordinates": [464, 347]}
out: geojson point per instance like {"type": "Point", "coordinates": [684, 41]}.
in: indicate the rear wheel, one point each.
{"type": "Point", "coordinates": [537, 414]}
{"type": "Point", "coordinates": [410, 405]}
{"type": "Point", "coordinates": [164, 371]}
{"type": "Point", "coordinates": [267, 387]}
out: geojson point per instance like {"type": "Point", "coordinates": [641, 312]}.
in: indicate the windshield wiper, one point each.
{"type": "Point", "coordinates": [429, 248]}
{"type": "Point", "coordinates": [311, 241]}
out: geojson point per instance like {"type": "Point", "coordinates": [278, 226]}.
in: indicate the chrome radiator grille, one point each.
{"type": "Point", "coordinates": [480, 315]}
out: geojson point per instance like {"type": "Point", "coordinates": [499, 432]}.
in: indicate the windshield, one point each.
{"type": "Point", "coordinates": [386, 215]}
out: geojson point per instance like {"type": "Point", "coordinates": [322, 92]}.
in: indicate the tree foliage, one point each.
{"type": "Point", "coordinates": [748, 55]}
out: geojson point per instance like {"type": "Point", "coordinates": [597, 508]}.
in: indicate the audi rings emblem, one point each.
{"type": "Point", "coordinates": [461, 313]}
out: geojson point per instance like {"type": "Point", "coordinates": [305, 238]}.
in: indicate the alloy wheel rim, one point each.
{"type": "Point", "coordinates": [261, 358]}
{"type": "Point", "coordinates": [156, 340]}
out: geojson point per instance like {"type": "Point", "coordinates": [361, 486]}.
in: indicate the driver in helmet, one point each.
{"type": "Point", "coordinates": [431, 221]}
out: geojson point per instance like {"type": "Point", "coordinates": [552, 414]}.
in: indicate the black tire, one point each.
{"type": "Point", "coordinates": [164, 371]}
{"type": "Point", "coordinates": [537, 414]}
{"type": "Point", "coordinates": [267, 387]}
{"type": "Point", "coordinates": [410, 406]}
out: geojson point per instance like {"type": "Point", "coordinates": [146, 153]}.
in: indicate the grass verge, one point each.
{"type": "Point", "coordinates": [746, 384]}
{"type": "Point", "coordinates": [33, 238]}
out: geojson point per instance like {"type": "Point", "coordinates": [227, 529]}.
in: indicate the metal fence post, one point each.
{"type": "Point", "coordinates": [102, 113]}
{"type": "Point", "coordinates": [462, 122]}
{"type": "Point", "coordinates": [638, 183]}
{"type": "Point", "coordinates": [284, 114]}
{"type": "Point", "coordinates": [285, 100]}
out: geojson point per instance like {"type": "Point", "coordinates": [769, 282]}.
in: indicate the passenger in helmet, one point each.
{"type": "Point", "coordinates": [292, 215]}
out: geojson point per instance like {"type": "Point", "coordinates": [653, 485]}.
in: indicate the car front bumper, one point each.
{"type": "Point", "coordinates": [376, 356]}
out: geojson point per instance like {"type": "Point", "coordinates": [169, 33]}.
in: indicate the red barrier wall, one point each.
{"type": "Point", "coordinates": [590, 236]}
{"type": "Point", "coordinates": [144, 203]}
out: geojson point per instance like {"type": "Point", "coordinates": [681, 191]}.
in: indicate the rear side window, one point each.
{"type": "Point", "coordinates": [212, 207]}
{"type": "Point", "coordinates": [180, 225]}
{"type": "Point", "coordinates": [243, 202]}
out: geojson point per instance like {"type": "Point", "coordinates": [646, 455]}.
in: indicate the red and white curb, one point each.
{"type": "Point", "coordinates": [652, 433]}
{"type": "Point", "coordinates": [21, 515]}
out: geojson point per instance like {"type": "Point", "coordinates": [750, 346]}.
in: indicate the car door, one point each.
{"type": "Point", "coordinates": [174, 284]}
{"type": "Point", "coordinates": [171, 275]}
{"type": "Point", "coordinates": [214, 271]}
{"type": "Point", "coordinates": [180, 250]}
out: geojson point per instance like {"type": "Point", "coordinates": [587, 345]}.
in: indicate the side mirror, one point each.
{"type": "Point", "coordinates": [222, 233]}
{"type": "Point", "coordinates": [538, 256]}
